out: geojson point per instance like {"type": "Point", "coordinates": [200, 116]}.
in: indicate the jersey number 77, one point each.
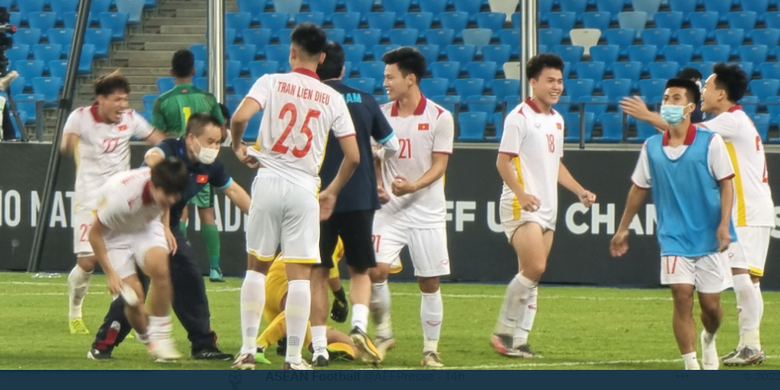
{"type": "Point", "coordinates": [279, 146]}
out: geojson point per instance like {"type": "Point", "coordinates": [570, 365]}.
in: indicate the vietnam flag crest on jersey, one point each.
{"type": "Point", "coordinates": [122, 127]}
{"type": "Point", "coordinates": [202, 179]}
{"type": "Point", "coordinates": [560, 127]}
{"type": "Point", "coordinates": [423, 127]}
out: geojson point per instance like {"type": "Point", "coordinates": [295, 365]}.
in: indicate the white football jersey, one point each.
{"type": "Point", "coordinates": [430, 129]}
{"type": "Point", "coordinates": [103, 150]}
{"type": "Point", "coordinates": [753, 204]}
{"type": "Point", "coordinates": [298, 113]}
{"type": "Point", "coordinates": [125, 204]}
{"type": "Point", "coordinates": [534, 139]}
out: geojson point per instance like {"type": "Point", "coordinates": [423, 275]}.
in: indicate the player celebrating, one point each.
{"type": "Point", "coordinates": [690, 175]}
{"type": "Point", "coordinates": [131, 229]}
{"type": "Point", "coordinates": [100, 137]}
{"type": "Point", "coordinates": [415, 214]}
{"type": "Point", "coordinates": [354, 213]}
{"type": "Point", "coordinates": [752, 211]}
{"type": "Point", "coordinates": [299, 112]}
{"type": "Point", "coordinates": [529, 162]}
{"type": "Point", "coordinates": [170, 114]}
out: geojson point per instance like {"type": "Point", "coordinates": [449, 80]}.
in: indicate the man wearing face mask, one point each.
{"type": "Point", "coordinates": [689, 172]}
{"type": "Point", "coordinates": [198, 148]}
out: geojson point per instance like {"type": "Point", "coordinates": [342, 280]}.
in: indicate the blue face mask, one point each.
{"type": "Point", "coordinates": [673, 115]}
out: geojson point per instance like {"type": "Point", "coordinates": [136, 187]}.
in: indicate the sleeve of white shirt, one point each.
{"type": "Point", "coordinates": [718, 159]}
{"type": "Point", "coordinates": [641, 176]}
{"type": "Point", "coordinates": [141, 128]}
{"type": "Point", "coordinates": [725, 125]}
{"type": "Point", "coordinates": [110, 208]}
{"type": "Point", "coordinates": [261, 90]}
{"type": "Point", "coordinates": [512, 137]}
{"type": "Point", "coordinates": [73, 124]}
{"type": "Point", "coordinates": [342, 122]}
{"type": "Point", "coordinates": [444, 132]}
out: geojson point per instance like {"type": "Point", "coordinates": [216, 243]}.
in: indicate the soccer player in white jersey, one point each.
{"type": "Point", "coordinates": [299, 111]}
{"type": "Point", "coordinates": [415, 214]}
{"type": "Point", "coordinates": [753, 209]}
{"type": "Point", "coordinates": [529, 162]}
{"type": "Point", "coordinates": [132, 229]}
{"type": "Point", "coordinates": [99, 135]}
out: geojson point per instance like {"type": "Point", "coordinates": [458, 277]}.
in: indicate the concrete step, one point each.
{"type": "Point", "coordinates": [159, 21]}
{"type": "Point", "coordinates": [137, 71]}
{"type": "Point", "coordinates": [146, 80]}
{"type": "Point", "coordinates": [194, 29]}
{"type": "Point", "coordinates": [192, 13]}
{"type": "Point", "coordinates": [167, 46]}
{"type": "Point", "coordinates": [183, 38]}
{"type": "Point", "coordinates": [141, 89]}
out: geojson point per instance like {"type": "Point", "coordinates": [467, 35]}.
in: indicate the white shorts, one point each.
{"type": "Point", "coordinates": [750, 250]}
{"type": "Point", "coordinates": [428, 247]}
{"type": "Point", "coordinates": [511, 223]}
{"type": "Point", "coordinates": [82, 223]}
{"type": "Point", "coordinates": [709, 274]}
{"type": "Point", "coordinates": [283, 213]}
{"type": "Point", "coordinates": [125, 251]}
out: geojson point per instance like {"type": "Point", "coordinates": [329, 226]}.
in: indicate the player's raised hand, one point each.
{"type": "Point", "coordinates": [383, 196]}
{"type": "Point", "coordinates": [402, 186]}
{"type": "Point", "coordinates": [172, 245]}
{"type": "Point", "coordinates": [724, 238]}
{"type": "Point", "coordinates": [587, 198]}
{"type": "Point", "coordinates": [327, 204]}
{"type": "Point", "coordinates": [243, 157]}
{"type": "Point", "coordinates": [114, 283]}
{"type": "Point", "coordinates": [636, 107]}
{"type": "Point", "coordinates": [619, 244]}
{"type": "Point", "coordinates": [529, 202]}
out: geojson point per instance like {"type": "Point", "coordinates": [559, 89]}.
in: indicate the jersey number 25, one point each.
{"type": "Point", "coordinates": [279, 146]}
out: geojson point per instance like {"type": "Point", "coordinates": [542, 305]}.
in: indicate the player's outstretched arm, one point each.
{"type": "Point", "coordinates": [153, 156]}
{"type": "Point", "coordinates": [567, 180]}
{"type": "Point", "coordinates": [99, 247]}
{"type": "Point", "coordinates": [155, 138]}
{"type": "Point", "coordinates": [636, 198]}
{"type": "Point", "coordinates": [348, 166]}
{"type": "Point", "coordinates": [238, 196]}
{"type": "Point", "coordinates": [726, 199]}
{"type": "Point", "coordinates": [637, 108]}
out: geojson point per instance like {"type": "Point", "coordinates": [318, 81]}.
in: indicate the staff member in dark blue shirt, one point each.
{"type": "Point", "coordinates": [198, 148]}
{"type": "Point", "coordinates": [353, 216]}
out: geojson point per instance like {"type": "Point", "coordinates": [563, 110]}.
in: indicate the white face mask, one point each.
{"type": "Point", "coordinates": [206, 155]}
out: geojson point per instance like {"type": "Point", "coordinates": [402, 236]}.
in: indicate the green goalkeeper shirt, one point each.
{"type": "Point", "coordinates": [173, 108]}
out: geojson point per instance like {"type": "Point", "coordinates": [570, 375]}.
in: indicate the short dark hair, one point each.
{"type": "Point", "coordinates": [183, 63]}
{"type": "Point", "coordinates": [732, 79]}
{"type": "Point", "coordinates": [225, 114]}
{"type": "Point", "coordinates": [110, 83]}
{"type": "Point", "coordinates": [408, 60]}
{"type": "Point", "coordinates": [692, 91]}
{"type": "Point", "coordinates": [197, 123]}
{"type": "Point", "coordinates": [689, 73]}
{"type": "Point", "coordinates": [537, 63]}
{"type": "Point", "coordinates": [170, 175]}
{"type": "Point", "coordinates": [334, 61]}
{"type": "Point", "coordinates": [310, 37]}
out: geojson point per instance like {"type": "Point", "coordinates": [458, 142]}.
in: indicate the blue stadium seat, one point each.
{"type": "Point", "coordinates": [569, 53]}
{"type": "Point", "coordinates": [644, 131]}
{"type": "Point", "coordinates": [258, 69]}
{"type": "Point", "coordinates": [745, 20]}
{"type": "Point", "coordinates": [230, 36]}
{"type": "Point", "coordinates": [354, 53]}
{"type": "Point", "coordinates": [255, 8]}
{"type": "Point", "coordinates": [379, 50]}
{"type": "Point", "coordinates": [694, 37]}
{"type": "Point", "coordinates": [290, 7]}
{"type": "Point", "coordinates": [383, 21]}
{"type": "Point", "coordinates": [431, 53]}
{"type": "Point", "coordinates": [677, 53]}
{"type": "Point", "coordinates": [421, 21]}
{"type": "Point", "coordinates": [577, 88]}
{"type": "Point", "coordinates": [704, 67]}
{"type": "Point", "coordinates": [27, 7]}
{"type": "Point", "coordinates": [593, 70]}
{"type": "Point", "coordinates": [69, 19]}
{"type": "Point", "coordinates": [663, 70]}
{"type": "Point", "coordinates": [572, 124]}
{"type": "Point", "coordinates": [747, 67]}
{"type": "Point", "coordinates": [649, 7]}
{"type": "Point", "coordinates": [658, 37]}
{"type": "Point", "coordinates": [260, 37]}
{"type": "Point", "coordinates": [49, 87]}
{"type": "Point", "coordinates": [721, 7]}
{"type": "Point", "coordinates": [47, 53]}
{"type": "Point", "coordinates": [715, 53]}
{"type": "Point", "coordinates": [563, 21]}
{"type": "Point", "coordinates": [511, 38]}
{"type": "Point", "coordinates": [493, 21]}
{"type": "Point", "coordinates": [101, 39]}
{"type": "Point", "coordinates": [14, 18]}
{"type": "Point", "coordinates": [616, 89]}
{"type": "Point", "coordinates": [611, 128]}
{"type": "Point", "coordinates": [317, 18]}
{"type": "Point", "coordinates": [244, 54]}
{"type": "Point", "coordinates": [284, 36]}
{"type": "Point", "coordinates": [27, 36]}
{"type": "Point", "coordinates": [448, 70]}
{"type": "Point", "coordinates": [772, 105]}
{"type": "Point", "coordinates": [276, 21]}
{"type": "Point", "coordinates": [566, 70]}
{"type": "Point", "coordinates": [598, 20]}
{"type": "Point", "coordinates": [201, 83]}
{"type": "Point", "coordinates": [516, 20]}
{"type": "Point", "coordinates": [768, 37]}
{"type": "Point", "coordinates": [59, 7]}
{"type": "Point", "coordinates": [43, 21]}
{"type": "Point", "coordinates": [762, 125]}
{"type": "Point", "coordinates": [608, 54]}
{"type": "Point", "coordinates": [730, 37]}
{"type": "Point", "coordinates": [253, 127]}
{"type": "Point", "coordinates": [165, 84]}
{"type": "Point", "coordinates": [232, 71]}
{"type": "Point", "coordinates": [199, 51]}
{"type": "Point", "coordinates": [576, 6]}
{"type": "Point", "coordinates": [498, 123]}
{"type": "Point", "coordinates": [280, 54]}
{"type": "Point", "coordinates": [749, 104]}
{"type": "Point", "coordinates": [482, 70]}
{"type": "Point", "coordinates": [461, 53]}
{"type": "Point", "coordinates": [471, 7]}
{"type": "Point", "coordinates": [769, 70]}
{"type": "Point", "coordinates": [56, 69]}
{"type": "Point", "coordinates": [440, 37]}
{"type": "Point", "coordinates": [753, 53]}
{"type": "Point", "coordinates": [652, 87]}
{"type": "Point", "coordinates": [757, 6]}
{"type": "Point", "coordinates": [505, 87]}
{"type": "Point", "coordinates": [327, 7]}
{"type": "Point", "coordinates": [455, 21]}
{"type": "Point", "coordinates": [29, 70]}
{"type": "Point", "coordinates": [347, 21]}
{"type": "Point", "coordinates": [669, 20]}
{"type": "Point", "coordinates": [632, 20]}
{"type": "Point", "coordinates": [238, 21]}
{"type": "Point", "coordinates": [133, 8]}
{"type": "Point", "coordinates": [435, 7]}
{"type": "Point", "coordinates": [550, 37]}
{"type": "Point", "coordinates": [563, 105]}
{"type": "Point", "coordinates": [469, 87]}
{"type": "Point", "coordinates": [96, 7]}
{"type": "Point", "coordinates": [400, 7]}
{"type": "Point", "coordinates": [372, 70]}
{"type": "Point", "coordinates": [362, 7]}
{"type": "Point", "coordinates": [630, 70]}
{"type": "Point", "coordinates": [496, 53]}
{"type": "Point", "coordinates": [148, 101]}
{"type": "Point", "coordinates": [685, 7]}
{"type": "Point", "coordinates": [434, 86]}
{"type": "Point", "coordinates": [336, 34]}
{"type": "Point", "coordinates": [472, 126]}
{"type": "Point", "coordinates": [764, 88]}
{"type": "Point", "coordinates": [26, 103]}
{"type": "Point", "coordinates": [611, 6]}
{"type": "Point", "coordinates": [706, 20]}
{"type": "Point", "coordinates": [621, 37]}
{"type": "Point", "coordinates": [61, 36]}
{"type": "Point", "coordinates": [404, 37]}
{"type": "Point", "coordinates": [242, 85]}
{"type": "Point", "coordinates": [17, 53]}
{"type": "Point", "coordinates": [479, 37]}
{"type": "Point", "coordinates": [232, 101]}
{"type": "Point", "coordinates": [87, 56]}
{"type": "Point", "coordinates": [772, 20]}
{"type": "Point", "coordinates": [594, 104]}
{"type": "Point", "coordinates": [117, 22]}
{"type": "Point", "coordinates": [366, 37]}
{"type": "Point", "coordinates": [481, 103]}
{"type": "Point", "coordinates": [642, 53]}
